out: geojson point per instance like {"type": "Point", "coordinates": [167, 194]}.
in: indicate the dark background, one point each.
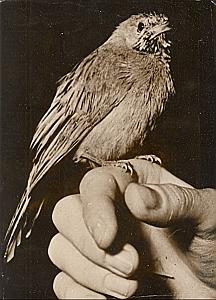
{"type": "Point", "coordinates": [40, 42]}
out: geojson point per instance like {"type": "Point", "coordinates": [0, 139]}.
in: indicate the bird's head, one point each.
{"type": "Point", "coordinates": [145, 33]}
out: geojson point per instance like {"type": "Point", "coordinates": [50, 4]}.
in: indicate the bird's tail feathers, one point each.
{"type": "Point", "coordinates": [65, 140]}
{"type": "Point", "coordinates": [20, 225]}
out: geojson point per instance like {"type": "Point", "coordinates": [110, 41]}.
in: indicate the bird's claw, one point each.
{"type": "Point", "coordinates": [150, 157]}
{"type": "Point", "coordinates": [125, 165]}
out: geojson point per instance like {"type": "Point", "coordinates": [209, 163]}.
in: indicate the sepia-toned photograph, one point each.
{"type": "Point", "coordinates": [108, 149]}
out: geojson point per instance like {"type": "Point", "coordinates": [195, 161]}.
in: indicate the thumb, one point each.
{"type": "Point", "coordinates": [165, 204]}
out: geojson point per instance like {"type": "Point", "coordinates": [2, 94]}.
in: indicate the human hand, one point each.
{"type": "Point", "coordinates": [99, 189]}
{"type": "Point", "coordinates": [88, 270]}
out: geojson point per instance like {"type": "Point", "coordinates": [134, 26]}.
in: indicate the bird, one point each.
{"type": "Point", "coordinates": [103, 108]}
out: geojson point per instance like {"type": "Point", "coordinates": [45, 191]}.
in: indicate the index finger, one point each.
{"type": "Point", "coordinates": [98, 190]}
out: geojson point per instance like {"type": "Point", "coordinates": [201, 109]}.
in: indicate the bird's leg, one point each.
{"type": "Point", "coordinates": [90, 158]}
{"type": "Point", "coordinates": [150, 157]}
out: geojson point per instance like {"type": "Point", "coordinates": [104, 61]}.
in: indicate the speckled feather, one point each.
{"type": "Point", "coordinates": [103, 108]}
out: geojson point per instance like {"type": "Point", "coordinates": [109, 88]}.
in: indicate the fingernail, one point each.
{"type": "Point", "coordinates": [122, 262]}
{"type": "Point", "coordinates": [149, 198]}
{"type": "Point", "coordinates": [118, 287]}
{"type": "Point", "coordinates": [93, 296]}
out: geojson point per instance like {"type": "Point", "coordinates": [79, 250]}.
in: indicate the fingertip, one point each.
{"type": "Point", "coordinates": [140, 200]}
{"type": "Point", "coordinates": [164, 204]}
{"type": "Point", "coordinates": [54, 247]}
{"type": "Point", "coordinates": [102, 226]}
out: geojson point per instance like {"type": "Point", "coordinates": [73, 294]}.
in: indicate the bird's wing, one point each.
{"type": "Point", "coordinates": [84, 97]}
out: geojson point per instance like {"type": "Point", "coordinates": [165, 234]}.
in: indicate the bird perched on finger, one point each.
{"type": "Point", "coordinates": [103, 108]}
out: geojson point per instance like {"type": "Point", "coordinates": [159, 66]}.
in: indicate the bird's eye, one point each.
{"type": "Point", "coordinates": [140, 27]}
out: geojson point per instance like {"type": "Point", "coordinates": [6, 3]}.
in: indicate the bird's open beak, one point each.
{"type": "Point", "coordinates": [158, 29]}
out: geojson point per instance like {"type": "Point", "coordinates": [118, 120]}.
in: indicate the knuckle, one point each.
{"type": "Point", "coordinates": [182, 200]}
{"type": "Point", "coordinates": [63, 287]}
{"type": "Point", "coordinates": [57, 284]}
{"type": "Point", "coordinates": [87, 179]}
{"type": "Point", "coordinates": [66, 287]}
{"type": "Point", "coordinates": [61, 206]}
{"type": "Point", "coordinates": [53, 247]}
{"type": "Point", "coordinates": [187, 200]}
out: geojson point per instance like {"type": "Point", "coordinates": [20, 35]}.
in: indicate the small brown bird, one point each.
{"type": "Point", "coordinates": [104, 107]}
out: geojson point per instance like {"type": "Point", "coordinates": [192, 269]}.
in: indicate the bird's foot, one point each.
{"type": "Point", "coordinates": [125, 165]}
{"type": "Point", "coordinates": [150, 157]}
